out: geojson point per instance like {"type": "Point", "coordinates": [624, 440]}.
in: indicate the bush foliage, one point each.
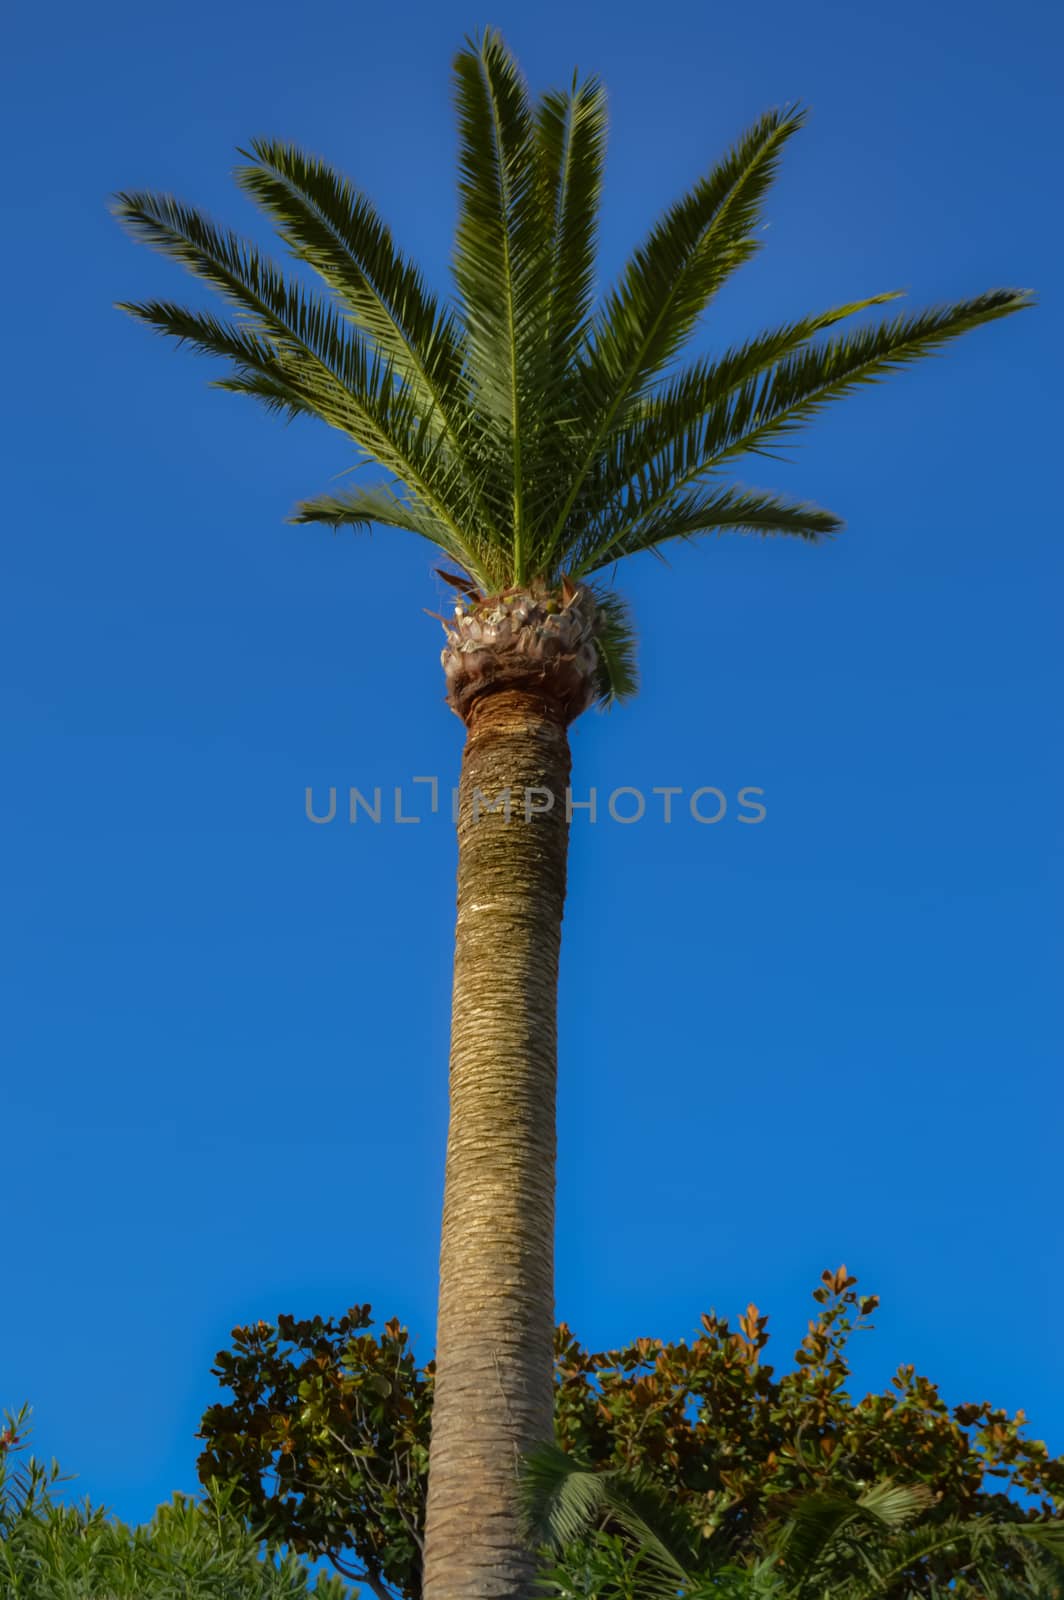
{"type": "Point", "coordinates": [325, 1436]}
{"type": "Point", "coordinates": [190, 1550]}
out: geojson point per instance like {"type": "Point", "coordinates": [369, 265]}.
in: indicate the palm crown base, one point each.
{"type": "Point", "coordinates": [524, 639]}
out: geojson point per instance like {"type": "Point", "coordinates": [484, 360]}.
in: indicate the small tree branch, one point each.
{"type": "Point", "coordinates": [377, 1584]}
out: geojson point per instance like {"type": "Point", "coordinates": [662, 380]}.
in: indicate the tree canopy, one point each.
{"type": "Point", "coordinates": [325, 1432]}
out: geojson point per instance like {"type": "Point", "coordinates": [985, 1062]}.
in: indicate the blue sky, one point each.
{"type": "Point", "coordinates": [829, 1037]}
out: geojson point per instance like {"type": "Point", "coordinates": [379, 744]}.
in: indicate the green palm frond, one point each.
{"type": "Point", "coordinates": [826, 1524]}
{"type": "Point", "coordinates": [750, 398]}
{"type": "Point", "coordinates": [271, 393]}
{"type": "Point", "coordinates": [705, 383]}
{"type": "Point", "coordinates": [563, 1502]}
{"type": "Point", "coordinates": [350, 386]}
{"type": "Point", "coordinates": [670, 280]}
{"type": "Point", "coordinates": [669, 419]}
{"type": "Point", "coordinates": [502, 264]}
{"type": "Point", "coordinates": [893, 1505]}
{"type": "Point", "coordinates": [208, 334]}
{"type": "Point", "coordinates": [328, 224]}
{"type": "Point", "coordinates": [343, 380]}
{"type": "Point", "coordinates": [863, 1546]}
{"type": "Point", "coordinates": [650, 518]}
{"type": "Point", "coordinates": [837, 1541]}
{"type": "Point", "coordinates": [978, 1548]}
{"type": "Point", "coordinates": [260, 368]}
{"type": "Point", "coordinates": [275, 307]}
{"type": "Point", "coordinates": [362, 508]}
{"type": "Point", "coordinates": [689, 254]}
{"type": "Point", "coordinates": [765, 410]}
{"type": "Point", "coordinates": [571, 137]}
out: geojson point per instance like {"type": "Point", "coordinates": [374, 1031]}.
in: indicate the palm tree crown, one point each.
{"type": "Point", "coordinates": [534, 437]}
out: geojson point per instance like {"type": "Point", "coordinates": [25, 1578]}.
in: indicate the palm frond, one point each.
{"type": "Point", "coordinates": [1047, 1535]}
{"type": "Point", "coordinates": [825, 1525]}
{"type": "Point", "coordinates": [648, 520]}
{"type": "Point", "coordinates": [501, 262]}
{"type": "Point", "coordinates": [688, 255]}
{"type": "Point", "coordinates": [272, 394]}
{"type": "Point", "coordinates": [668, 421]}
{"type": "Point", "coordinates": [686, 434]}
{"type": "Point", "coordinates": [853, 1546]}
{"type": "Point", "coordinates": [203, 331]}
{"type": "Point", "coordinates": [893, 1505]}
{"type": "Point", "coordinates": [564, 1502]}
{"type": "Point", "coordinates": [275, 308]}
{"type": "Point", "coordinates": [363, 507]}
{"type": "Point", "coordinates": [260, 368]}
{"type": "Point", "coordinates": [977, 1546]}
{"type": "Point", "coordinates": [698, 244]}
{"type": "Point", "coordinates": [767, 409]}
{"type": "Point", "coordinates": [571, 138]}
{"type": "Point", "coordinates": [345, 383]}
{"type": "Point", "coordinates": [327, 223]}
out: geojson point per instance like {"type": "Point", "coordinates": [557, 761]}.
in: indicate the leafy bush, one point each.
{"type": "Point", "coordinates": [190, 1550]}
{"type": "Point", "coordinates": [618, 1536]}
{"type": "Point", "coordinates": [326, 1434]}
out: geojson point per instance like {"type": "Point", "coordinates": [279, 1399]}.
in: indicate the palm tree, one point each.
{"type": "Point", "coordinates": [534, 438]}
{"type": "Point", "coordinates": [616, 1534]}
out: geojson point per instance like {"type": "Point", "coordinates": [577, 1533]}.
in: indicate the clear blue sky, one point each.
{"type": "Point", "coordinates": [830, 1037]}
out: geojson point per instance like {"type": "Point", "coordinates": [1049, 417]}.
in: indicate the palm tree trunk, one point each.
{"type": "Point", "coordinates": [494, 1376]}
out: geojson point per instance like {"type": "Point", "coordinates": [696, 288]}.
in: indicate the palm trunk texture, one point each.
{"type": "Point", "coordinates": [494, 1377]}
